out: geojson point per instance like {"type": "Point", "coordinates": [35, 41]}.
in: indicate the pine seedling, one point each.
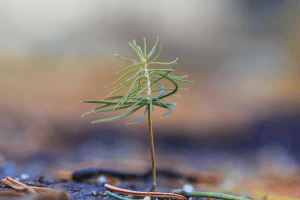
{"type": "Point", "coordinates": [143, 83]}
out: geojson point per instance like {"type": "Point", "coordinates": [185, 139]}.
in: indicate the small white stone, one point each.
{"type": "Point", "coordinates": [101, 179]}
{"type": "Point", "coordinates": [24, 176]}
{"type": "Point", "coordinates": [146, 198]}
{"type": "Point", "coordinates": [188, 188]}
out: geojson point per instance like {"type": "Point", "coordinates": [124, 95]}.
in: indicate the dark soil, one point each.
{"type": "Point", "coordinates": [84, 184]}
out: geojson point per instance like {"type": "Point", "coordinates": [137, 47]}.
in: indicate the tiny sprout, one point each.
{"type": "Point", "coordinates": [142, 85]}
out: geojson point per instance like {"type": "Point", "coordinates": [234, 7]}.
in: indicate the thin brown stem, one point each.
{"type": "Point", "coordinates": [152, 150]}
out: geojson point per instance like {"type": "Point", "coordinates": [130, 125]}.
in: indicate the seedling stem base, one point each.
{"type": "Point", "coordinates": [152, 150]}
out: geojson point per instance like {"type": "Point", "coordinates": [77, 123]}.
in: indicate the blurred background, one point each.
{"type": "Point", "coordinates": [241, 112]}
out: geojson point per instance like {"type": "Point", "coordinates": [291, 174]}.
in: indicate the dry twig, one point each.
{"type": "Point", "coordinates": [35, 191]}
{"type": "Point", "coordinates": [143, 194]}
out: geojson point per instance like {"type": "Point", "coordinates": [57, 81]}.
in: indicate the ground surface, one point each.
{"type": "Point", "coordinates": [92, 186]}
{"type": "Point", "coordinates": [92, 183]}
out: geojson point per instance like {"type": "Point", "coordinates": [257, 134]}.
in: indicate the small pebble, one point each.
{"type": "Point", "coordinates": [101, 180]}
{"type": "Point", "coordinates": [146, 198]}
{"type": "Point", "coordinates": [188, 188]}
{"type": "Point", "coordinates": [24, 176]}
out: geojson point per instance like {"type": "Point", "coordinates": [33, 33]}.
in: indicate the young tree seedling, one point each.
{"type": "Point", "coordinates": [143, 84]}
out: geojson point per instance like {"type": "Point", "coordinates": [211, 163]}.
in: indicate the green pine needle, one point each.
{"type": "Point", "coordinates": [141, 86]}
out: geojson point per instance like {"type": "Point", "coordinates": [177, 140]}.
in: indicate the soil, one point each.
{"type": "Point", "coordinates": [89, 183]}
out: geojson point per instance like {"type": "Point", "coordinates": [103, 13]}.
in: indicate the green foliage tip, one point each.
{"type": "Point", "coordinates": [144, 81]}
